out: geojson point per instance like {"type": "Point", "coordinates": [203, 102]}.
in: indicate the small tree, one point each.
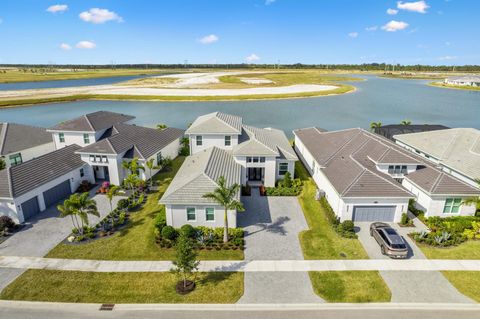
{"type": "Point", "coordinates": [406, 122]}
{"type": "Point", "coordinates": [161, 126]}
{"type": "Point", "coordinates": [133, 166]}
{"type": "Point", "coordinates": [67, 209]}
{"type": "Point", "coordinates": [131, 181]}
{"type": "Point", "coordinates": [84, 206]}
{"type": "Point", "coordinates": [185, 263]}
{"type": "Point", "coordinates": [374, 126]}
{"type": "Point", "coordinates": [225, 196]}
{"type": "Point", "coordinates": [287, 180]}
{"type": "Point", "coordinates": [150, 164]}
{"type": "Point", "coordinates": [3, 165]}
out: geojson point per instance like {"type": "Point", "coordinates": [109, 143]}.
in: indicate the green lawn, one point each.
{"type": "Point", "coordinates": [92, 287]}
{"type": "Point", "coordinates": [137, 240]}
{"type": "Point", "coordinates": [350, 286]}
{"type": "Point", "coordinates": [467, 282]}
{"type": "Point", "coordinates": [322, 242]}
{"type": "Point", "coordinates": [467, 250]}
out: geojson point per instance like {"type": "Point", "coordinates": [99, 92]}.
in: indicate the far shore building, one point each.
{"type": "Point", "coordinates": [20, 143]}
{"type": "Point", "coordinates": [469, 80]}
{"type": "Point", "coordinates": [455, 151]}
{"type": "Point", "coordinates": [366, 177]}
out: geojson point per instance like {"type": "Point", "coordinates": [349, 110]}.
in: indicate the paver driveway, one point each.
{"type": "Point", "coordinates": [410, 286]}
{"type": "Point", "coordinates": [271, 228]}
{"type": "Point", "coordinates": [41, 234]}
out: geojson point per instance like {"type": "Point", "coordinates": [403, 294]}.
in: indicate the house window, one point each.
{"type": "Point", "coordinates": [191, 216]}
{"type": "Point", "coordinates": [98, 158]}
{"type": "Point", "coordinates": [282, 169]}
{"type": "Point", "coordinates": [262, 159]}
{"type": "Point", "coordinates": [159, 158]}
{"type": "Point", "coordinates": [15, 159]}
{"type": "Point", "coordinates": [61, 137]}
{"type": "Point", "coordinates": [452, 205]}
{"type": "Point", "coordinates": [209, 214]}
{"type": "Point", "coordinates": [228, 140]}
{"type": "Point", "coordinates": [255, 159]}
{"type": "Point", "coordinates": [199, 140]}
{"type": "Point", "coordinates": [404, 169]}
{"type": "Point", "coordinates": [397, 169]}
{"type": "Point", "coordinates": [92, 158]}
{"type": "Point", "coordinates": [249, 159]}
{"type": "Point", "coordinates": [82, 172]}
{"type": "Point", "coordinates": [86, 138]}
{"type": "Point", "coordinates": [104, 159]}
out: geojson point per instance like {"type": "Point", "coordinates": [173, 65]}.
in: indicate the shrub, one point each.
{"type": "Point", "coordinates": [160, 222]}
{"type": "Point", "coordinates": [348, 226]}
{"type": "Point", "coordinates": [188, 231]}
{"type": "Point", "coordinates": [122, 203]}
{"type": "Point", "coordinates": [330, 214]}
{"type": "Point", "coordinates": [346, 229]}
{"type": "Point", "coordinates": [405, 220]}
{"type": "Point", "coordinates": [282, 191]}
{"type": "Point", "coordinates": [6, 222]}
{"type": "Point", "coordinates": [287, 180]}
{"type": "Point", "coordinates": [121, 218]}
{"type": "Point", "coordinates": [169, 232]}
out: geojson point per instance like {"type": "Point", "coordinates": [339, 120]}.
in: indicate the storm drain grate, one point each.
{"type": "Point", "coordinates": [107, 307]}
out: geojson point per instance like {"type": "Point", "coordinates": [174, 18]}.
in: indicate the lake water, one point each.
{"type": "Point", "coordinates": [66, 83]}
{"type": "Point", "coordinates": [377, 99]}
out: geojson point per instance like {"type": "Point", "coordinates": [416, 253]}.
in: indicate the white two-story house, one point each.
{"type": "Point", "coordinates": [264, 154]}
{"type": "Point", "coordinates": [20, 143]}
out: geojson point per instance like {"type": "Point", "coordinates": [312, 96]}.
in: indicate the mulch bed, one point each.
{"type": "Point", "coordinates": [185, 289]}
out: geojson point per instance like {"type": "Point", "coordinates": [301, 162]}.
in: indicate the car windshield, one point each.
{"type": "Point", "coordinates": [390, 231]}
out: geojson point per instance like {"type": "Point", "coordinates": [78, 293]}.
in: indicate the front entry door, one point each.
{"type": "Point", "coordinates": [254, 173]}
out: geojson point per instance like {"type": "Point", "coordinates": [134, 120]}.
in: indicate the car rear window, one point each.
{"type": "Point", "coordinates": [399, 246]}
{"type": "Point", "coordinates": [390, 231]}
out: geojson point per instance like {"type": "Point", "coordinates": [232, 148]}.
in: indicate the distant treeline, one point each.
{"type": "Point", "coordinates": [362, 67]}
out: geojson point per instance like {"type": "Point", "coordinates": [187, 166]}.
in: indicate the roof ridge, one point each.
{"type": "Point", "coordinates": [88, 121]}
{"type": "Point", "coordinates": [450, 144]}
{"type": "Point", "coordinates": [241, 119]}
{"type": "Point", "coordinates": [3, 136]}
{"type": "Point", "coordinates": [354, 181]}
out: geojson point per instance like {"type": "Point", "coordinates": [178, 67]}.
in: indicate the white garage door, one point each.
{"type": "Point", "coordinates": [373, 213]}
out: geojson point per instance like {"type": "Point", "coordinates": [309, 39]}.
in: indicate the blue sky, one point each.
{"type": "Point", "coordinates": [236, 31]}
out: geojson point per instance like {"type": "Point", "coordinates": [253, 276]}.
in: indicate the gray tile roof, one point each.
{"type": "Point", "coordinates": [198, 176]}
{"type": "Point", "coordinates": [457, 148]}
{"type": "Point", "coordinates": [136, 141]}
{"type": "Point", "coordinates": [348, 158]}
{"type": "Point", "coordinates": [27, 176]}
{"type": "Point", "coordinates": [216, 123]}
{"type": "Point", "coordinates": [17, 137]}
{"type": "Point", "coordinates": [92, 122]}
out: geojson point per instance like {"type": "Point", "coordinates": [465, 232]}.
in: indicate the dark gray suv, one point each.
{"type": "Point", "coordinates": [391, 243]}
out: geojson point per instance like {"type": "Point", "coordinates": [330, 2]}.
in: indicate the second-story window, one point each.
{"type": "Point", "coordinates": [15, 159]}
{"type": "Point", "coordinates": [228, 140]}
{"type": "Point", "coordinates": [86, 138]}
{"type": "Point", "coordinates": [61, 137]}
{"type": "Point", "coordinates": [199, 140]}
{"type": "Point", "coordinates": [92, 158]}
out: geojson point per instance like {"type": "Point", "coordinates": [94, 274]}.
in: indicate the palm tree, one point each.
{"type": "Point", "coordinates": [131, 181]}
{"type": "Point", "coordinates": [225, 196]}
{"type": "Point", "coordinates": [151, 166]}
{"type": "Point", "coordinates": [133, 166]}
{"type": "Point", "coordinates": [473, 200]}
{"type": "Point", "coordinates": [66, 209]}
{"type": "Point", "coordinates": [375, 125]}
{"type": "Point", "coordinates": [406, 122]}
{"type": "Point", "coordinates": [111, 193]}
{"type": "Point", "coordinates": [161, 126]}
{"type": "Point", "coordinates": [84, 206]}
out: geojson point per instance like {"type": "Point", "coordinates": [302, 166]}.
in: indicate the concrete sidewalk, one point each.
{"type": "Point", "coordinates": [18, 262]}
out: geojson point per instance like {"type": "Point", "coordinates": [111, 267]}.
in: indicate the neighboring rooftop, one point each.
{"type": "Point", "coordinates": [456, 148]}
{"type": "Point", "coordinates": [216, 123]}
{"type": "Point", "coordinates": [134, 141]}
{"type": "Point", "coordinates": [92, 122]}
{"type": "Point", "coordinates": [199, 175]}
{"type": "Point", "coordinates": [394, 129]}
{"type": "Point", "coordinates": [22, 178]}
{"type": "Point", "coordinates": [348, 158]}
{"type": "Point", "coordinates": [17, 137]}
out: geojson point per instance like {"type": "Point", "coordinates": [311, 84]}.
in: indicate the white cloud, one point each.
{"type": "Point", "coordinates": [353, 34]}
{"type": "Point", "coordinates": [372, 28]}
{"type": "Point", "coordinates": [209, 39]}
{"type": "Point", "coordinates": [419, 6]}
{"type": "Point", "coordinates": [448, 57]}
{"type": "Point", "coordinates": [392, 12]}
{"type": "Point", "coordinates": [98, 16]}
{"type": "Point", "coordinates": [252, 58]}
{"type": "Point", "coordinates": [268, 2]}
{"type": "Point", "coordinates": [85, 45]}
{"type": "Point", "coordinates": [393, 26]}
{"type": "Point", "coordinates": [65, 46]}
{"type": "Point", "coordinates": [57, 8]}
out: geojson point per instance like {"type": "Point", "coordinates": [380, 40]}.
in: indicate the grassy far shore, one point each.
{"type": "Point", "coordinates": [342, 88]}
{"type": "Point", "coordinates": [95, 287]}
{"type": "Point", "coordinates": [322, 242]}
{"type": "Point", "coordinates": [137, 240]}
{"type": "Point", "coordinates": [455, 87]}
{"type": "Point", "coordinates": [14, 75]}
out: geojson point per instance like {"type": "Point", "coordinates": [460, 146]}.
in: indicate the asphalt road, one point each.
{"type": "Point", "coordinates": [325, 311]}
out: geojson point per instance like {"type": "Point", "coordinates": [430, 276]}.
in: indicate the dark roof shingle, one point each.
{"type": "Point", "coordinates": [17, 137]}
{"type": "Point", "coordinates": [92, 122]}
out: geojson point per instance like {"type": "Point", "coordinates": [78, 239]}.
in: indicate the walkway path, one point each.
{"type": "Point", "coordinates": [255, 266]}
